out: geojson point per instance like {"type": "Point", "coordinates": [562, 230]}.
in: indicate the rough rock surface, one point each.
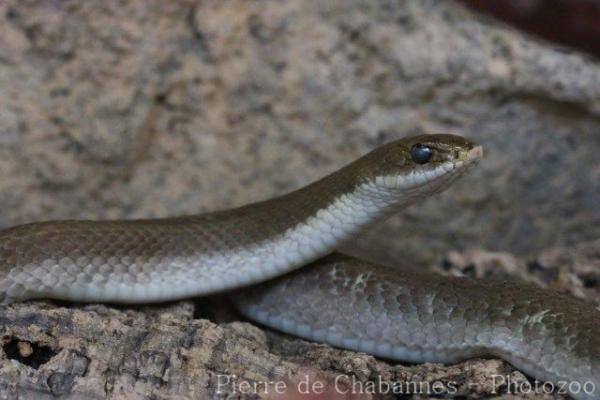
{"type": "Point", "coordinates": [138, 109]}
{"type": "Point", "coordinates": [98, 351]}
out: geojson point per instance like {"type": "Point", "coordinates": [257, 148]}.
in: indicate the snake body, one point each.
{"type": "Point", "coordinates": [338, 300]}
{"type": "Point", "coordinates": [425, 317]}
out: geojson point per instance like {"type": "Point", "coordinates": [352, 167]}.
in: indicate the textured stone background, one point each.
{"type": "Point", "coordinates": [139, 109]}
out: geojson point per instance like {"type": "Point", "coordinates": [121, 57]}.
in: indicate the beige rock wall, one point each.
{"type": "Point", "coordinates": [152, 108]}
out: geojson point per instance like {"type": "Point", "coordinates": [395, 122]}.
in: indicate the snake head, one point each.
{"type": "Point", "coordinates": [424, 164]}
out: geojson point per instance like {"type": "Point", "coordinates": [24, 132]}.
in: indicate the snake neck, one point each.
{"type": "Point", "coordinates": [329, 211]}
{"type": "Point", "coordinates": [285, 233]}
{"type": "Point", "coordinates": [344, 214]}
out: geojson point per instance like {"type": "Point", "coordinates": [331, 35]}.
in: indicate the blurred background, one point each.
{"type": "Point", "coordinates": [574, 23]}
{"type": "Point", "coordinates": [124, 109]}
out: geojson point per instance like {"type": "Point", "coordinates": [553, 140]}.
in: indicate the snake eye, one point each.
{"type": "Point", "coordinates": [420, 153]}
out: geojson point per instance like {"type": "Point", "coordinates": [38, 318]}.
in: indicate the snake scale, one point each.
{"type": "Point", "coordinates": [335, 299]}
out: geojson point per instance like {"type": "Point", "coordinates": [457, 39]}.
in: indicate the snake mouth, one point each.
{"type": "Point", "coordinates": [472, 155]}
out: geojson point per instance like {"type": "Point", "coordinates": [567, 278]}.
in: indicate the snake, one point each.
{"type": "Point", "coordinates": [278, 260]}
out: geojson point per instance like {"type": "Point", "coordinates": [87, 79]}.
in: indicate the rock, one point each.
{"type": "Point", "coordinates": [574, 270]}
{"type": "Point", "coordinates": [169, 351]}
{"type": "Point", "coordinates": [141, 109]}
